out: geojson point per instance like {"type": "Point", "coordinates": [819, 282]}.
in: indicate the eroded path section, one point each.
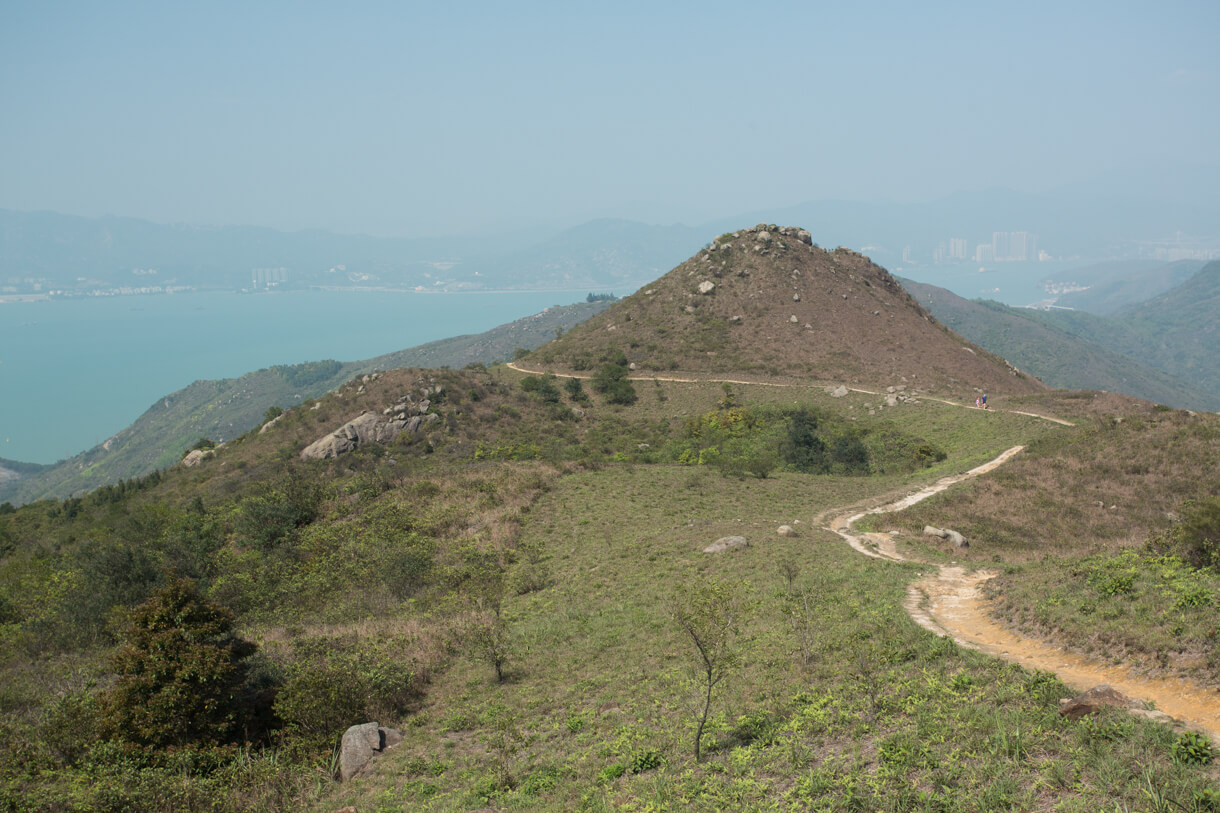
{"type": "Point", "coordinates": [950, 602]}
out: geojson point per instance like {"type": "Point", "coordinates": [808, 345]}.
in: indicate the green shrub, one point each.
{"type": "Point", "coordinates": [1192, 748]}
{"type": "Point", "coordinates": [803, 449]}
{"type": "Point", "coordinates": [611, 380]}
{"type": "Point", "coordinates": [1197, 533]}
{"type": "Point", "coordinates": [180, 673]}
{"type": "Point", "coordinates": [645, 761]}
{"type": "Point", "coordinates": [312, 372]}
{"type": "Point", "coordinates": [332, 685]}
{"type": "Point", "coordinates": [542, 387]}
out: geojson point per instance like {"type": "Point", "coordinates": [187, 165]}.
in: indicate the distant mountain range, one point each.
{"type": "Point", "coordinates": [1164, 349]}
{"type": "Point", "coordinates": [41, 251]}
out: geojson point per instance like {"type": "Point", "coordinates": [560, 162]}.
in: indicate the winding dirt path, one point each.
{"type": "Point", "coordinates": [950, 602]}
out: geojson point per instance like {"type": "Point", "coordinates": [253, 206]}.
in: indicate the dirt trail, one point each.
{"type": "Point", "coordinates": [950, 603]}
{"type": "Point", "coordinates": [512, 365]}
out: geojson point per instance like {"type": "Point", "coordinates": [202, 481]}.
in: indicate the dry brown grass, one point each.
{"type": "Point", "coordinates": [853, 323]}
{"type": "Point", "coordinates": [1111, 481]}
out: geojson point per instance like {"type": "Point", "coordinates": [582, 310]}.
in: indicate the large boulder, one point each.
{"type": "Point", "coordinates": [727, 543]}
{"type": "Point", "coordinates": [195, 456]}
{"type": "Point", "coordinates": [953, 537]}
{"type": "Point", "coordinates": [361, 743]}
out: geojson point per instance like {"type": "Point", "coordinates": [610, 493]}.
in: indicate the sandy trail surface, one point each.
{"type": "Point", "coordinates": [950, 602]}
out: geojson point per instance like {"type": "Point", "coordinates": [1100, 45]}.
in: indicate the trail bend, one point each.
{"type": "Point", "coordinates": [950, 602]}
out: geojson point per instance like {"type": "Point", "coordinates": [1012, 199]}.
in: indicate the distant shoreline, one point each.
{"type": "Point", "coordinates": [8, 299]}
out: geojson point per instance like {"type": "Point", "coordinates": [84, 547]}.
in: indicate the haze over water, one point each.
{"type": "Point", "coordinates": [74, 372]}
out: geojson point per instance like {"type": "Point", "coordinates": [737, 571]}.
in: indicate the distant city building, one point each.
{"type": "Point", "coordinates": [1009, 246]}
{"type": "Point", "coordinates": [906, 254]}
{"type": "Point", "coordinates": [957, 248]}
{"type": "Point", "coordinates": [984, 253]}
{"type": "Point", "coordinates": [267, 277]}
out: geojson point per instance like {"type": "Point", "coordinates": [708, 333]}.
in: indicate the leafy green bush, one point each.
{"type": "Point", "coordinates": [1192, 748]}
{"type": "Point", "coordinates": [1197, 534]}
{"type": "Point", "coordinates": [180, 673]}
{"type": "Point", "coordinates": [542, 387]}
{"type": "Point", "coordinates": [803, 449]}
{"type": "Point", "coordinates": [611, 380]}
{"type": "Point", "coordinates": [332, 684]}
{"type": "Point", "coordinates": [290, 503]}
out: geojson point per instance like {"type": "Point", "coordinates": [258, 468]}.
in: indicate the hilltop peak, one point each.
{"type": "Point", "coordinates": [769, 302]}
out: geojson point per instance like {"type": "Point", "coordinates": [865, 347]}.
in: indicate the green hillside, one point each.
{"type": "Point", "coordinates": [223, 409]}
{"type": "Point", "coordinates": [1176, 332]}
{"type": "Point", "coordinates": [1111, 287]}
{"type": "Point", "coordinates": [509, 570]}
{"type": "Point", "coordinates": [1050, 345]}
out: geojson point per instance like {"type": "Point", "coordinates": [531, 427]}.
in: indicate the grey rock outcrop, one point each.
{"type": "Point", "coordinates": [786, 530]}
{"type": "Point", "coordinates": [369, 427]}
{"type": "Point", "coordinates": [727, 543]}
{"type": "Point", "coordinates": [361, 743]}
{"type": "Point", "coordinates": [196, 456]}
{"type": "Point", "coordinates": [953, 537]}
{"type": "Point", "coordinates": [267, 426]}
{"type": "Point", "coordinates": [1094, 700]}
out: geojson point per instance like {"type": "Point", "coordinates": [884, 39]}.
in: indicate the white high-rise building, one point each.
{"type": "Point", "coordinates": [1014, 246]}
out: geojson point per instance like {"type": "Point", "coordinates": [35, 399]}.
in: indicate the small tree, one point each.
{"type": "Point", "coordinates": [612, 382]}
{"type": "Point", "coordinates": [575, 390]}
{"type": "Point", "coordinates": [803, 449]}
{"type": "Point", "coordinates": [710, 615]}
{"type": "Point", "coordinates": [490, 639]}
{"type": "Point", "coordinates": [180, 672]}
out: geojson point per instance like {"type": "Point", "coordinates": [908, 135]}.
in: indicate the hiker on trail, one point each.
{"type": "Point", "coordinates": [978, 402]}
{"type": "Point", "coordinates": [984, 400]}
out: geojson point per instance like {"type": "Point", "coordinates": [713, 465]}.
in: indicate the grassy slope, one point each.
{"type": "Point", "coordinates": [1042, 344]}
{"type": "Point", "coordinates": [840, 703]}
{"type": "Point", "coordinates": [224, 409]}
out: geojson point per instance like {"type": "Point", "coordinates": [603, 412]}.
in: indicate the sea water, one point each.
{"type": "Point", "coordinates": [73, 372]}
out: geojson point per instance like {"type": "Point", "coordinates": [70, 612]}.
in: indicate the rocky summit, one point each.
{"type": "Point", "coordinates": [769, 302]}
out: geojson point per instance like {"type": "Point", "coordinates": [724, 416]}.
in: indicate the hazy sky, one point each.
{"type": "Point", "coordinates": [412, 119]}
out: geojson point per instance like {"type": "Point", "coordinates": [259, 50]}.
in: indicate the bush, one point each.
{"type": "Point", "coordinates": [1192, 748]}
{"type": "Point", "coordinates": [803, 449]}
{"type": "Point", "coordinates": [291, 503]}
{"type": "Point", "coordinates": [312, 372]}
{"type": "Point", "coordinates": [541, 386]}
{"type": "Point", "coordinates": [611, 381]}
{"type": "Point", "coordinates": [180, 673]}
{"type": "Point", "coordinates": [1197, 534]}
{"type": "Point", "coordinates": [331, 686]}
